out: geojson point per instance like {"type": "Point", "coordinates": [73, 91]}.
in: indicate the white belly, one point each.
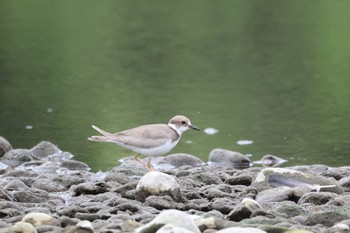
{"type": "Point", "coordinates": [155, 151]}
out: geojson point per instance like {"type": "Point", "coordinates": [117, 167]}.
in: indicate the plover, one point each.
{"type": "Point", "coordinates": [150, 140]}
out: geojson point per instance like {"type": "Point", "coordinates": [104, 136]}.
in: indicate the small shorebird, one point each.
{"type": "Point", "coordinates": [149, 140]}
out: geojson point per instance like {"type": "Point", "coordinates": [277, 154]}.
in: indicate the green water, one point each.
{"type": "Point", "coordinates": [275, 72]}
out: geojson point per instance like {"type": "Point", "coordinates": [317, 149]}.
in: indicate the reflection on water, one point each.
{"type": "Point", "coordinates": [274, 73]}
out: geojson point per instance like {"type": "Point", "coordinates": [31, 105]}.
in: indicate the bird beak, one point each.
{"type": "Point", "coordinates": [194, 127]}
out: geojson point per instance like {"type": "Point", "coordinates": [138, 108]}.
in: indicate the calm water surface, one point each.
{"type": "Point", "coordinates": [273, 72]}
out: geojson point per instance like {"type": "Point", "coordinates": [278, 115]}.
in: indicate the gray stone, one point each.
{"type": "Point", "coordinates": [16, 157]}
{"type": "Point", "coordinates": [205, 178]}
{"type": "Point", "coordinates": [227, 158]}
{"type": "Point", "coordinates": [345, 183]}
{"type": "Point", "coordinates": [31, 196]}
{"type": "Point", "coordinates": [276, 177]}
{"type": "Point", "coordinates": [71, 210]}
{"type": "Point", "coordinates": [278, 195]}
{"type": "Point", "coordinates": [47, 185]}
{"type": "Point", "coordinates": [320, 198]}
{"type": "Point", "coordinates": [244, 210]}
{"type": "Point", "coordinates": [326, 218]}
{"type": "Point", "coordinates": [5, 146]}
{"type": "Point", "coordinates": [15, 184]}
{"type": "Point", "coordinates": [288, 208]}
{"type": "Point", "coordinates": [74, 165]}
{"type": "Point", "coordinates": [271, 161]}
{"type": "Point", "coordinates": [240, 180]}
{"type": "Point", "coordinates": [161, 203]}
{"type": "Point", "coordinates": [181, 159]}
{"type": "Point", "coordinates": [90, 188]}
{"type": "Point", "coordinates": [224, 205]}
{"type": "Point", "coordinates": [5, 195]}
{"type": "Point", "coordinates": [44, 149]}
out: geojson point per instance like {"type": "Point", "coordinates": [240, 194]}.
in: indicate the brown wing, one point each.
{"type": "Point", "coordinates": [145, 136]}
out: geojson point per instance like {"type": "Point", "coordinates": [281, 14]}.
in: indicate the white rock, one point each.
{"type": "Point", "coordinates": [156, 182]}
{"type": "Point", "coordinates": [85, 224]}
{"type": "Point", "coordinates": [24, 227]}
{"type": "Point", "coordinates": [241, 230]}
{"type": "Point", "coordinates": [37, 219]}
{"type": "Point", "coordinates": [170, 228]}
{"type": "Point", "coordinates": [175, 217]}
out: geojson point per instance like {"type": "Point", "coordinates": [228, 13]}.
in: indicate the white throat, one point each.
{"type": "Point", "coordinates": [178, 130]}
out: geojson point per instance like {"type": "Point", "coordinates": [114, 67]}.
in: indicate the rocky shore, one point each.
{"type": "Point", "coordinates": [44, 190]}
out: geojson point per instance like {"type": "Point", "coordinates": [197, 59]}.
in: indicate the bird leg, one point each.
{"type": "Point", "coordinates": [147, 165]}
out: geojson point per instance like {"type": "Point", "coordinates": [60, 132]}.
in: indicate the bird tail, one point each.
{"type": "Point", "coordinates": [104, 138]}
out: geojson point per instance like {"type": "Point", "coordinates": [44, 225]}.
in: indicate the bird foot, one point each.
{"type": "Point", "coordinates": [147, 165]}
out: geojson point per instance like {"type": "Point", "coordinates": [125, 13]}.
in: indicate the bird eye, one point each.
{"type": "Point", "coordinates": [183, 122]}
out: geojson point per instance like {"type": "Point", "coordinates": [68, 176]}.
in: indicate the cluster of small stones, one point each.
{"type": "Point", "coordinates": [43, 190]}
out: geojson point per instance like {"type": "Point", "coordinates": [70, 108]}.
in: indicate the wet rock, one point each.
{"type": "Point", "coordinates": [161, 203]}
{"type": "Point", "coordinates": [244, 210]}
{"type": "Point", "coordinates": [5, 195]}
{"type": "Point", "coordinates": [288, 208]}
{"type": "Point", "coordinates": [47, 185]}
{"type": "Point", "coordinates": [15, 184]}
{"type": "Point", "coordinates": [37, 219]}
{"type": "Point", "coordinates": [59, 157]}
{"type": "Point", "coordinates": [275, 177]}
{"type": "Point", "coordinates": [16, 157]}
{"type": "Point", "coordinates": [30, 196]}
{"type": "Point", "coordinates": [320, 198]}
{"type": "Point", "coordinates": [224, 205]}
{"type": "Point", "coordinates": [263, 220]}
{"type": "Point", "coordinates": [181, 159]}
{"type": "Point", "coordinates": [271, 161]}
{"type": "Point", "coordinates": [90, 188]}
{"type": "Point", "coordinates": [327, 218]}
{"type": "Point", "coordinates": [280, 194]}
{"type": "Point", "coordinates": [71, 210]}
{"type": "Point", "coordinates": [240, 180]}
{"type": "Point", "coordinates": [157, 183]}
{"type": "Point", "coordinates": [4, 168]}
{"type": "Point", "coordinates": [87, 216]}
{"type": "Point", "coordinates": [75, 165]}
{"type": "Point", "coordinates": [44, 149]}
{"type": "Point", "coordinates": [5, 146]}
{"type": "Point", "coordinates": [227, 158]}
{"type": "Point", "coordinates": [345, 183]}
{"type": "Point", "coordinates": [206, 178]}
{"type": "Point", "coordinates": [175, 217]}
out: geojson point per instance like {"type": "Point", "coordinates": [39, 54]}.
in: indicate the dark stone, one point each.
{"type": "Point", "coordinates": [90, 188]}
{"type": "Point", "coordinates": [320, 198]}
{"type": "Point", "coordinates": [240, 180]}
{"type": "Point", "coordinates": [161, 202]}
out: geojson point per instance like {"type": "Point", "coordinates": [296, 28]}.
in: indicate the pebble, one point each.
{"type": "Point", "coordinates": [44, 190]}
